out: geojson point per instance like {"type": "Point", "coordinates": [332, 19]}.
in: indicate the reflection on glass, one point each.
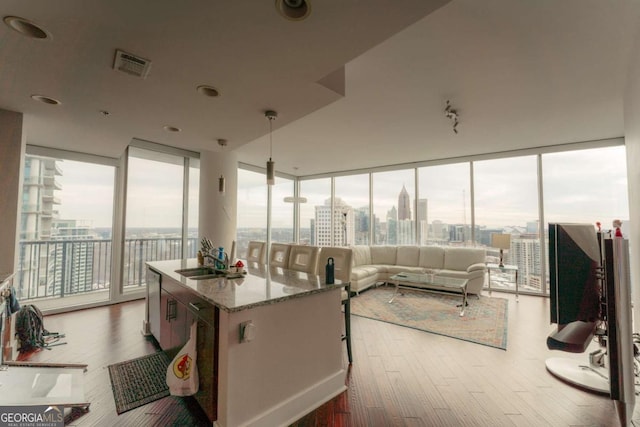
{"type": "Point", "coordinates": [393, 207]}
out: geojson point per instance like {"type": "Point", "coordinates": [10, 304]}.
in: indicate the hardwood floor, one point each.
{"type": "Point", "coordinates": [400, 376]}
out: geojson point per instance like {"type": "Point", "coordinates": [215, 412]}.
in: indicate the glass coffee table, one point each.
{"type": "Point", "coordinates": [430, 282]}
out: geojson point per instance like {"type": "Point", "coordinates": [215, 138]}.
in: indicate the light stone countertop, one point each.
{"type": "Point", "coordinates": [262, 285]}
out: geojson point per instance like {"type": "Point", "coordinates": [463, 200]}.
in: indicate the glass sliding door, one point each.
{"type": "Point", "coordinates": [155, 219]}
{"type": "Point", "coordinates": [65, 229]}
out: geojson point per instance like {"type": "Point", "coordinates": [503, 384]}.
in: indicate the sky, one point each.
{"type": "Point", "coordinates": [579, 186]}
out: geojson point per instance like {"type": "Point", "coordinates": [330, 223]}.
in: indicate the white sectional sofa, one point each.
{"type": "Point", "coordinates": [375, 264]}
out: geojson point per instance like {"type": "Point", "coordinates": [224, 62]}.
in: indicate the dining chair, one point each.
{"type": "Point", "coordinates": [303, 258]}
{"type": "Point", "coordinates": [279, 255]}
{"type": "Point", "coordinates": [341, 271]}
{"type": "Point", "coordinates": [257, 252]}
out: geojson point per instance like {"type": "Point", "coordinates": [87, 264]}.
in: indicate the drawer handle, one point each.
{"type": "Point", "coordinates": [194, 306]}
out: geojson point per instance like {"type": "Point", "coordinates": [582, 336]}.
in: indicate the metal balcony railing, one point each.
{"type": "Point", "coordinates": [55, 269]}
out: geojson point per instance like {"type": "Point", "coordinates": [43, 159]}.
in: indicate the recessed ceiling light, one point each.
{"type": "Point", "coordinates": [26, 27]}
{"type": "Point", "coordinates": [172, 129]}
{"type": "Point", "coordinates": [293, 10]}
{"type": "Point", "coordinates": [46, 99]}
{"type": "Point", "coordinates": [208, 91]}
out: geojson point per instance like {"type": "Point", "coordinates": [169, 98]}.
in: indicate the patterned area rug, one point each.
{"type": "Point", "coordinates": [484, 321]}
{"type": "Point", "coordinates": [137, 382]}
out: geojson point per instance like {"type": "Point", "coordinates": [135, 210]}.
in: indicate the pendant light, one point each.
{"type": "Point", "coordinates": [221, 180]}
{"type": "Point", "coordinates": [271, 173]}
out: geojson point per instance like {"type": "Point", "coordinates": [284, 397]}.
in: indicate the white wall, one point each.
{"type": "Point", "coordinates": [217, 218]}
{"type": "Point", "coordinates": [11, 155]}
{"type": "Point", "coordinates": [632, 142]}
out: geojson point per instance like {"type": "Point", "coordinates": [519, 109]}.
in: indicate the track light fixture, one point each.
{"type": "Point", "coordinates": [452, 114]}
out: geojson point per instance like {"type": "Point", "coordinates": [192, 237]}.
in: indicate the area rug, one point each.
{"type": "Point", "coordinates": [137, 382]}
{"type": "Point", "coordinates": [484, 321]}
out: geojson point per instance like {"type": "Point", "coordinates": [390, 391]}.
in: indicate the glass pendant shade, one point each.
{"type": "Point", "coordinates": [271, 175]}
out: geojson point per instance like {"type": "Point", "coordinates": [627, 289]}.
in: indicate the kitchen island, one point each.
{"type": "Point", "coordinates": [269, 346]}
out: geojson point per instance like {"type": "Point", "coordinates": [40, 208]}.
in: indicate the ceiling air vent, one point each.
{"type": "Point", "coordinates": [131, 64]}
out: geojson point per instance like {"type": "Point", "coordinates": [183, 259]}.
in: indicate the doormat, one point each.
{"type": "Point", "coordinates": [139, 381]}
{"type": "Point", "coordinates": [484, 321]}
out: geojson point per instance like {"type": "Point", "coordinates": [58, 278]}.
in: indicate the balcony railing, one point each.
{"type": "Point", "coordinates": [55, 269]}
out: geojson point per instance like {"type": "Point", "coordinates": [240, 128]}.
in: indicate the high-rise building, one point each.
{"type": "Point", "coordinates": [423, 223]}
{"type": "Point", "coordinates": [343, 218]}
{"type": "Point", "coordinates": [404, 205]}
{"type": "Point", "coordinates": [38, 202]}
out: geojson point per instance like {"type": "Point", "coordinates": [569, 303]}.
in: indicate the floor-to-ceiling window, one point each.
{"type": "Point", "coordinates": [157, 208]}
{"type": "Point", "coordinates": [393, 207]}
{"type": "Point", "coordinates": [315, 212]}
{"type": "Point", "coordinates": [467, 201]}
{"type": "Point", "coordinates": [351, 210]}
{"type": "Point", "coordinates": [586, 186]}
{"type": "Point", "coordinates": [444, 208]}
{"type": "Point", "coordinates": [506, 202]}
{"type": "Point", "coordinates": [282, 210]}
{"type": "Point", "coordinates": [252, 209]}
{"type": "Point", "coordinates": [66, 230]}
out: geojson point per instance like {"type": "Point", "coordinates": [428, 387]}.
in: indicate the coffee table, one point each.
{"type": "Point", "coordinates": [430, 282]}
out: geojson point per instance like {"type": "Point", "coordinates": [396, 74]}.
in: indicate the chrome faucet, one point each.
{"type": "Point", "coordinates": [216, 261]}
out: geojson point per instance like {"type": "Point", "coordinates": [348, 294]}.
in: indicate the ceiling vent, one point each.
{"type": "Point", "coordinates": [131, 64]}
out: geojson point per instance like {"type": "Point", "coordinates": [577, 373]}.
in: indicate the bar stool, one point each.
{"type": "Point", "coordinates": [341, 271]}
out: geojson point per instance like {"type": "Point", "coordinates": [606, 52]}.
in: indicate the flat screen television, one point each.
{"type": "Point", "coordinates": [574, 263]}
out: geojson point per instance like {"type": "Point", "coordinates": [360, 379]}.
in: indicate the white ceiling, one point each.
{"type": "Point", "coordinates": [521, 73]}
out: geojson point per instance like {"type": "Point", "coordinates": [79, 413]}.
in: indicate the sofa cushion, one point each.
{"type": "Point", "coordinates": [360, 255]}
{"type": "Point", "coordinates": [385, 255]}
{"type": "Point", "coordinates": [461, 258]}
{"type": "Point", "coordinates": [431, 257]}
{"type": "Point", "coordinates": [408, 256]}
{"type": "Point", "coordinates": [359, 273]}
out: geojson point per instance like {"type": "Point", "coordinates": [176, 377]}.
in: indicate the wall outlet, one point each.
{"type": "Point", "coordinates": [247, 331]}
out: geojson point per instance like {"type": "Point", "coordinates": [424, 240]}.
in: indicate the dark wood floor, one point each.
{"type": "Point", "coordinates": [400, 376]}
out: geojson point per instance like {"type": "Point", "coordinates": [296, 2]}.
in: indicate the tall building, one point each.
{"type": "Point", "coordinates": [38, 202]}
{"type": "Point", "coordinates": [423, 223]}
{"type": "Point", "coordinates": [404, 205]}
{"type": "Point", "coordinates": [343, 217]}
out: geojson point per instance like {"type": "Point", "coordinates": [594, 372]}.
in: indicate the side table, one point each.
{"type": "Point", "coordinates": [505, 267]}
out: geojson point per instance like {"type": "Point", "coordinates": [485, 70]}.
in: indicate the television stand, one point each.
{"type": "Point", "coordinates": [590, 377]}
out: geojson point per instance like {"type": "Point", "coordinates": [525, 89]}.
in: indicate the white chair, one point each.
{"type": "Point", "coordinates": [303, 258]}
{"type": "Point", "coordinates": [257, 252]}
{"type": "Point", "coordinates": [341, 271]}
{"type": "Point", "coordinates": [279, 255]}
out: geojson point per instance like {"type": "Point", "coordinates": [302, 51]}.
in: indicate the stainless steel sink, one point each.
{"type": "Point", "coordinates": [201, 273]}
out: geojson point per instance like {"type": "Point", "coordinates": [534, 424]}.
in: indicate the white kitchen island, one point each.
{"type": "Point", "coordinates": [292, 362]}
